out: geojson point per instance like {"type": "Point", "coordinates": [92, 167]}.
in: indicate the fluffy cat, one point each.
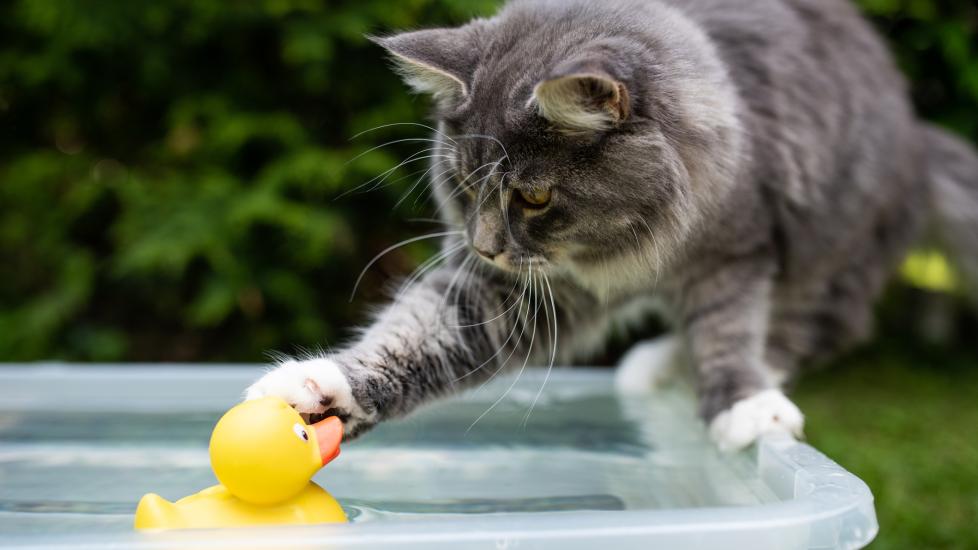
{"type": "Point", "coordinates": [754, 169]}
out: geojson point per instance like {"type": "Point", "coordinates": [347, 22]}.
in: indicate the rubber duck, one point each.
{"type": "Point", "coordinates": [264, 456]}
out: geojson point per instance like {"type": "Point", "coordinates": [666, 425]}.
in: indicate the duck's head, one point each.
{"type": "Point", "coordinates": [263, 452]}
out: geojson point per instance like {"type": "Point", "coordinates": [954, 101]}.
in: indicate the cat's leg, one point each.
{"type": "Point", "coordinates": [812, 324]}
{"type": "Point", "coordinates": [725, 313]}
{"type": "Point", "coordinates": [649, 364]}
{"type": "Point", "coordinates": [431, 341]}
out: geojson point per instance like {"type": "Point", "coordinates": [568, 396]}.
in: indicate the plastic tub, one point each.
{"type": "Point", "coordinates": [587, 469]}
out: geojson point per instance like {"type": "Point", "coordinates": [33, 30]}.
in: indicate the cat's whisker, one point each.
{"type": "Point", "coordinates": [427, 266]}
{"type": "Point", "coordinates": [489, 194]}
{"type": "Point", "coordinates": [502, 305]}
{"type": "Point", "coordinates": [460, 284]}
{"type": "Point", "coordinates": [451, 284]}
{"type": "Point", "coordinates": [395, 247]}
{"type": "Point", "coordinates": [553, 339]}
{"type": "Point", "coordinates": [502, 346]}
{"type": "Point", "coordinates": [430, 181]}
{"type": "Point", "coordinates": [395, 142]}
{"type": "Point", "coordinates": [462, 188]}
{"type": "Point", "coordinates": [640, 248]}
{"type": "Point", "coordinates": [462, 183]}
{"type": "Point", "coordinates": [392, 124]}
{"type": "Point", "coordinates": [658, 251]}
{"type": "Point", "coordinates": [504, 208]}
{"type": "Point", "coordinates": [420, 179]}
{"type": "Point", "coordinates": [413, 174]}
{"type": "Point", "coordinates": [431, 220]}
{"type": "Point", "coordinates": [476, 185]}
{"type": "Point", "coordinates": [383, 175]}
{"type": "Point", "coordinates": [491, 138]}
{"type": "Point", "coordinates": [410, 160]}
{"type": "Point", "coordinates": [529, 351]}
{"type": "Point", "coordinates": [395, 124]}
{"type": "Point", "coordinates": [519, 321]}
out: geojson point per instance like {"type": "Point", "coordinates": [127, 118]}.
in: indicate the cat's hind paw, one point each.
{"type": "Point", "coordinates": [767, 412]}
{"type": "Point", "coordinates": [648, 366]}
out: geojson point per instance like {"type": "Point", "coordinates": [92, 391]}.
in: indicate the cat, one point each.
{"type": "Point", "coordinates": [752, 170]}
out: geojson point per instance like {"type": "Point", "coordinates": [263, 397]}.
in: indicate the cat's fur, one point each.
{"type": "Point", "coordinates": [752, 167]}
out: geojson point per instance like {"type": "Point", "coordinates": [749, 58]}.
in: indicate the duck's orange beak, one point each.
{"type": "Point", "coordinates": [329, 433]}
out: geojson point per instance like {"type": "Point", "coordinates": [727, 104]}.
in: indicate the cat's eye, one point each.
{"type": "Point", "coordinates": [537, 198]}
{"type": "Point", "coordinates": [300, 431]}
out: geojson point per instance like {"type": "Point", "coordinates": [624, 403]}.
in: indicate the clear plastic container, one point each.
{"type": "Point", "coordinates": [585, 469]}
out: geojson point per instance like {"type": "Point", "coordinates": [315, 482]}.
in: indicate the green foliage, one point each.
{"type": "Point", "coordinates": [936, 44]}
{"type": "Point", "coordinates": [169, 171]}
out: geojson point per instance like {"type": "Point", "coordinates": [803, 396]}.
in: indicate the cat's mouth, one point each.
{"type": "Point", "coordinates": [518, 263]}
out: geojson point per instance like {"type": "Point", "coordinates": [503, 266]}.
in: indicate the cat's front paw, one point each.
{"type": "Point", "coordinates": [316, 387]}
{"type": "Point", "coordinates": [767, 412]}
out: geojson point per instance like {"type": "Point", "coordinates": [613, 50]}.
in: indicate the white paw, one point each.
{"type": "Point", "coordinates": [647, 365]}
{"type": "Point", "coordinates": [312, 387]}
{"type": "Point", "coordinates": [767, 412]}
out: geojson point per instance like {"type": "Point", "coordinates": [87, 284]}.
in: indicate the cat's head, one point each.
{"type": "Point", "coordinates": [564, 140]}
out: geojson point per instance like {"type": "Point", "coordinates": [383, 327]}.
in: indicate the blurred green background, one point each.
{"type": "Point", "coordinates": [169, 182]}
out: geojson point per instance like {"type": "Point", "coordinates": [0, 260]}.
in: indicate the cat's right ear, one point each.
{"type": "Point", "coordinates": [434, 61]}
{"type": "Point", "coordinates": [581, 96]}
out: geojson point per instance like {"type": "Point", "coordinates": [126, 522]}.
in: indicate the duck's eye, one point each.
{"type": "Point", "coordinates": [535, 198]}
{"type": "Point", "coordinates": [300, 431]}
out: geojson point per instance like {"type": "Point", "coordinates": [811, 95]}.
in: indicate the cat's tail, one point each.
{"type": "Point", "coordinates": [953, 174]}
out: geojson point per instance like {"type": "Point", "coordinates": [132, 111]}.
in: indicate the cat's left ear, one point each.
{"type": "Point", "coordinates": [581, 96]}
{"type": "Point", "coordinates": [434, 61]}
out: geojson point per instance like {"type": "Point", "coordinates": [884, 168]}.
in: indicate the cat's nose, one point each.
{"type": "Point", "coordinates": [487, 254]}
{"type": "Point", "coordinates": [486, 239]}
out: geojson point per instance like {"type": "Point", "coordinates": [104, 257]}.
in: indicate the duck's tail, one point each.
{"type": "Point", "coordinates": [155, 512]}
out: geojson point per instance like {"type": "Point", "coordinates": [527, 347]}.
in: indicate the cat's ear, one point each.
{"type": "Point", "coordinates": [580, 96]}
{"type": "Point", "coordinates": [434, 61]}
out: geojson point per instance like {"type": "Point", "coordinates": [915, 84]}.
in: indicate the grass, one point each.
{"type": "Point", "coordinates": [906, 422]}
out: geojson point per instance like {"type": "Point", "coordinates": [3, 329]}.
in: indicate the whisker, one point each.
{"type": "Point", "coordinates": [483, 136]}
{"type": "Point", "coordinates": [383, 175]}
{"type": "Point", "coordinates": [426, 220]}
{"type": "Point", "coordinates": [395, 247]}
{"type": "Point", "coordinates": [487, 196]}
{"type": "Point", "coordinates": [473, 172]}
{"type": "Point", "coordinates": [503, 305]}
{"type": "Point", "coordinates": [658, 252]}
{"type": "Point", "coordinates": [411, 159]}
{"type": "Point", "coordinates": [418, 182]}
{"type": "Point", "coordinates": [520, 321]}
{"type": "Point", "coordinates": [451, 284]}
{"type": "Point", "coordinates": [395, 142]}
{"type": "Point", "coordinates": [411, 175]}
{"type": "Point", "coordinates": [427, 266]}
{"type": "Point", "coordinates": [428, 184]}
{"type": "Point", "coordinates": [529, 352]}
{"type": "Point", "coordinates": [503, 345]}
{"type": "Point", "coordinates": [382, 126]}
{"type": "Point", "coordinates": [461, 189]}
{"type": "Point", "coordinates": [553, 338]}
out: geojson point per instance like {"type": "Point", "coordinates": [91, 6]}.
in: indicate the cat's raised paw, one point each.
{"type": "Point", "coordinates": [313, 387]}
{"type": "Point", "coordinates": [767, 412]}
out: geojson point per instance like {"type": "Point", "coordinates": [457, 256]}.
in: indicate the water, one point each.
{"type": "Point", "coordinates": [82, 469]}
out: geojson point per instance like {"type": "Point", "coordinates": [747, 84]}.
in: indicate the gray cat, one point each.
{"type": "Point", "coordinates": [751, 168]}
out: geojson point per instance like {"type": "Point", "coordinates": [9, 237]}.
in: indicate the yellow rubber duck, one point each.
{"type": "Point", "coordinates": [264, 456]}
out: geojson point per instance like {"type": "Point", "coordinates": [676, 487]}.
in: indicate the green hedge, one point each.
{"type": "Point", "coordinates": [169, 171]}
